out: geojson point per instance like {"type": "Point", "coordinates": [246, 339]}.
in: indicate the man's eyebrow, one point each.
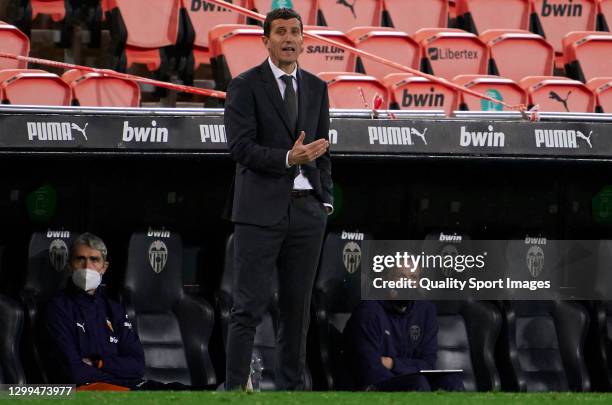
{"type": "Point", "coordinates": [88, 257]}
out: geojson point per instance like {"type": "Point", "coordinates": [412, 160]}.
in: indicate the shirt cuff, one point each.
{"type": "Point", "coordinates": [287, 165]}
{"type": "Point", "coordinates": [331, 208]}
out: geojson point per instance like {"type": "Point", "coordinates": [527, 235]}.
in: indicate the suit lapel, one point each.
{"type": "Point", "coordinates": [302, 100]}
{"type": "Point", "coordinates": [274, 95]}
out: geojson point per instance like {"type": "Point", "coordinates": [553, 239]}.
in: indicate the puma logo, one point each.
{"type": "Point", "coordinates": [81, 325]}
{"type": "Point", "coordinates": [554, 96]}
{"type": "Point", "coordinates": [413, 131]}
{"type": "Point", "coordinates": [345, 3]}
{"type": "Point", "coordinates": [586, 138]}
{"type": "Point", "coordinates": [81, 130]}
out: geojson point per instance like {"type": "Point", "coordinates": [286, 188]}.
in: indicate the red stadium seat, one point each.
{"type": "Point", "coordinates": [234, 49]}
{"type": "Point", "coordinates": [605, 10]}
{"type": "Point", "coordinates": [558, 94]}
{"type": "Point", "coordinates": [60, 11]}
{"type": "Point", "coordinates": [451, 52]}
{"type": "Point", "coordinates": [558, 17]}
{"type": "Point", "coordinates": [146, 27]}
{"type": "Point", "coordinates": [320, 56]}
{"type": "Point", "coordinates": [307, 9]}
{"type": "Point", "coordinates": [354, 90]}
{"type": "Point", "coordinates": [602, 88]}
{"type": "Point", "coordinates": [393, 45]}
{"type": "Point", "coordinates": [587, 54]}
{"type": "Point", "coordinates": [201, 17]}
{"type": "Point", "coordinates": [346, 14]}
{"type": "Point", "coordinates": [516, 53]}
{"type": "Point", "coordinates": [33, 87]}
{"type": "Point", "coordinates": [411, 15]}
{"type": "Point", "coordinates": [15, 42]}
{"type": "Point", "coordinates": [409, 92]}
{"type": "Point", "coordinates": [499, 88]}
{"type": "Point", "coordinates": [96, 90]}
{"type": "Point", "coordinates": [477, 16]}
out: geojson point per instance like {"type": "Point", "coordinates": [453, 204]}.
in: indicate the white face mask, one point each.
{"type": "Point", "coordinates": [86, 279]}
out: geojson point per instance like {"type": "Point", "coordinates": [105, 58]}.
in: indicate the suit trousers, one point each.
{"type": "Point", "coordinates": [287, 252]}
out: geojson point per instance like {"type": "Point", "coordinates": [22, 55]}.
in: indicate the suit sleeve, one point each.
{"type": "Point", "coordinates": [324, 162]}
{"type": "Point", "coordinates": [63, 345]}
{"type": "Point", "coordinates": [427, 354]}
{"type": "Point", "coordinates": [241, 131]}
{"type": "Point", "coordinates": [129, 363]}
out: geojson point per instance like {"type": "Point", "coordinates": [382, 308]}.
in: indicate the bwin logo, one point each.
{"type": "Point", "coordinates": [534, 241]}
{"type": "Point", "coordinates": [158, 233]}
{"type": "Point", "coordinates": [144, 134]}
{"type": "Point", "coordinates": [430, 99]}
{"type": "Point", "coordinates": [351, 235]}
{"type": "Point", "coordinates": [213, 133]}
{"type": "Point", "coordinates": [158, 256]}
{"type": "Point", "coordinates": [57, 234]}
{"type": "Point", "coordinates": [395, 135]}
{"type": "Point", "coordinates": [206, 6]}
{"type": "Point", "coordinates": [489, 139]}
{"type": "Point", "coordinates": [351, 257]}
{"type": "Point", "coordinates": [561, 10]}
{"type": "Point", "coordinates": [450, 238]}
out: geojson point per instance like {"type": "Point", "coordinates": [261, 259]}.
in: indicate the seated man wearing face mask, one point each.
{"type": "Point", "coordinates": [388, 343]}
{"type": "Point", "coordinates": [90, 338]}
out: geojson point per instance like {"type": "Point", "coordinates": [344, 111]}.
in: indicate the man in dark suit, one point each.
{"type": "Point", "coordinates": [277, 124]}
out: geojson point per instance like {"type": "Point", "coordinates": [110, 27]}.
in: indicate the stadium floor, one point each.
{"type": "Point", "coordinates": [336, 398]}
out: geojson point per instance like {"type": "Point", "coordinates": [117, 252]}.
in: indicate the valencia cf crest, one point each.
{"type": "Point", "coordinates": [58, 254]}
{"type": "Point", "coordinates": [351, 256]}
{"type": "Point", "coordinates": [158, 256]}
{"type": "Point", "coordinates": [535, 260]}
{"type": "Point", "coordinates": [415, 332]}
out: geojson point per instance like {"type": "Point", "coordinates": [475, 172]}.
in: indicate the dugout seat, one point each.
{"type": "Point", "coordinates": [12, 40]}
{"type": "Point", "coordinates": [558, 94]}
{"type": "Point", "coordinates": [336, 294]}
{"type": "Point", "coordinates": [228, 45]}
{"type": "Point", "coordinates": [343, 15]}
{"type": "Point", "coordinates": [47, 274]}
{"type": "Point", "coordinates": [96, 90]}
{"type": "Point", "coordinates": [11, 319]}
{"type": "Point", "coordinates": [467, 332]}
{"type": "Point", "coordinates": [410, 92]}
{"type": "Point", "coordinates": [198, 18]}
{"type": "Point", "coordinates": [450, 52]}
{"type": "Point", "coordinates": [499, 88]}
{"type": "Point", "coordinates": [33, 87]}
{"type": "Point", "coordinates": [355, 90]}
{"type": "Point", "coordinates": [145, 32]}
{"type": "Point", "coordinates": [174, 328]}
{"type": "Point", "coordinates": [64, 11]}
{"type": "Point", "coordinates": [554, 19]}
{"type": "Point", "coordinates": [586, 55]}
{"type": "Point", "coordinates": [319, 56]}
{"type": "Point", "coordinates": [516, 53]}
{"type": "Point", "coordinates": [477, 16]}
{"type": "Point", "coordinates": [411, 16]}
{"type": "Point", "coordinates": [541, 346]}
{"type": "Point", "coordinates": [307, 9]}
{"type": "Point", "coordinates": [602, 89]}
{"type": "Point", "coordinates": [384, 42]}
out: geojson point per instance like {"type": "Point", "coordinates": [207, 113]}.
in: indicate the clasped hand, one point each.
{"type": "Point", "coordinates": [303, 153]}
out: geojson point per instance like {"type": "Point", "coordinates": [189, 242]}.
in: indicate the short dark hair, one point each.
{"type": "Point", "coordinates": [280, 14]}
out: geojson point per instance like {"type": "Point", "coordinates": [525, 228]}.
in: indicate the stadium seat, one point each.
{"type": "Point", "coordinates": [47, 274]}
{"type": "Point", "coordinates": [11, 319]}
{"type": "Point", "coordinates": [96, 90]}
{"type": "Point", "coordinates": [16, 42]}
{"type": "Point", "coordinates": [319, 56]}
{"type": "Point", "coordinates": [586, 55]}
{"type": "Point", "coordinates": [387, 43]}
{"type": "Point", "coordinates": [198, 18]}
{"type": "Point", "coordinates": [336, 294]}
{"type": "Point", "coordinates": [411, 16]}
{"type": "Point", "coordinates": [605, 15]}
{"type": "Point", "coordinates": [174, 328]}
{"type": "Point", "coordinates": [541, 346]}
{"type": "Point", "coordinates": [354, 90]}
{"type": "Point", "coordinates": [602, 88]}
{"type": "Point", "coordinates": [477, 16]}
{"type": "Point", "coordinates": [467, 332]}
{"type": "Point", "coordinates": [345, 14]}
{"type": "Point", "coordinates": [228, 45]}
{"type": "Point", "coordinates": [58, 10]}
{"type": "Point", "coordinates": [450, 52]}
{"type": "Point", "coordinates": [33, 87]}
{"type": "Point", "coordinates": [556, 18]}
{"type": "Point", "coordinates": [144, 32]}
{"type": "Point", "coordinates": [307, 9]}
{"type": "Point", "coordinates": [516, 53]}
{"type": "Point", "coordinates": [409, 92]}
{"type": "Point", "coordinates": [558, 94]}
{"type": "Point", "coordinates": [499, 88]}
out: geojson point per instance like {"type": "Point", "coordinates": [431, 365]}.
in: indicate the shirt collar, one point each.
{"type": "Point", "coordinates": [278, 73]}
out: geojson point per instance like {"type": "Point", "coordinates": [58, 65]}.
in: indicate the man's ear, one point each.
{"type": "Point", "coordinates": [104, 268]}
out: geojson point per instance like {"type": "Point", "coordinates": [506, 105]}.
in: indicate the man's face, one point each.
{"type": "Point", "coordinates": [285, 41]}
{"type": "Point", "coordinates": [85, 257]}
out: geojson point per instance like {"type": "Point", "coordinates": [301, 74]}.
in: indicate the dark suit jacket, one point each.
{"type": "Point", "coordinates": [259, 137]}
